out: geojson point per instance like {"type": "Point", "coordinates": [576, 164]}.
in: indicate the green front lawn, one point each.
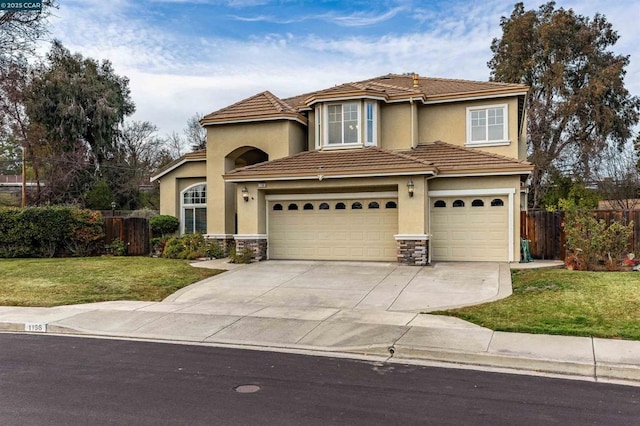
{"type": "Point", "coordinates": [558, 301]}
{"type": "Point", "coordinates": [52, 282]}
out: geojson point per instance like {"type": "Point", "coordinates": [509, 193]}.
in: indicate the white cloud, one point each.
{"type": "Point", "coordinates": [173, 75]}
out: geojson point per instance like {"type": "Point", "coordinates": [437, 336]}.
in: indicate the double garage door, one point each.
{"type": "Point", "coordinates": [339, 229]}
{"type": "Point", "coordinates": [470, 228]}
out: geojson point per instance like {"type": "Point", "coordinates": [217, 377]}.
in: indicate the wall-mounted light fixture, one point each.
{"type": "Point", "coordinates": [410, 187]}
{"type": "Point", "coordinates": [245, 193]}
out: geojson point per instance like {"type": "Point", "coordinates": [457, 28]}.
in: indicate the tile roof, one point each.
{"type": "Point", "coordinates": [263, 106]}
{"type": "Point", "coordinates": [346, 162]}
{"type": "Point", "coordinates": [438, 158]}
{"type": "Point", "coordinates": [390, 87]}
{"type": "Point", "coordinates": [453, 159]}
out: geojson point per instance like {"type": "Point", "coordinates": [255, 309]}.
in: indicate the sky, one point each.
{"type": "Point", "coordinates": [184, 57]}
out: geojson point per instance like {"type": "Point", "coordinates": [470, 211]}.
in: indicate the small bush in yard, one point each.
{"type": "Point", "coordinates": [243, 257]}
{"type": "Point", "coordinates": [163, 224]}
{"type": "Point", "coordinates": [594, 243]}
{"type": "Point", "coordinates": [191, 246]}
{"type": "Point", "coordinates": [117, 247]}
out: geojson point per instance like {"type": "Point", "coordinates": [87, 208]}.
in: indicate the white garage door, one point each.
{"type": "Point", "coordinates": [349, 229]}
{"type": "Point", "coordinates": [472, 228]}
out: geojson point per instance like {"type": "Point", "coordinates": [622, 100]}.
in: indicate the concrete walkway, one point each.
{"type": "Point", "coordinates": [354, 309]}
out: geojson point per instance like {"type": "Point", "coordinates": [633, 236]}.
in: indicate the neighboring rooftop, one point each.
{"type": "Point", "coordinates": [390, 87]}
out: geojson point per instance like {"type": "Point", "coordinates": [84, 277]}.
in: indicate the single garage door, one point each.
{"type": "Point", "coordinates": [349, 229]}
{"type": "Point", "coordinates": [474, 228]}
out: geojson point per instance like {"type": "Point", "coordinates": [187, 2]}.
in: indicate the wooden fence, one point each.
{"type": "Point", "coordinates": [133, 231]}
{"type": "Point", "coordinates": [546, 237]}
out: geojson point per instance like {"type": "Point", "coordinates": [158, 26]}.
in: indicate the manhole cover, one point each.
{"type": "Point", "coordinates": [247, 388]}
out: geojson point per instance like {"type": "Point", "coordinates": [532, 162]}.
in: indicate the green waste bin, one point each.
{"type": "Point", "coordinates": [525, 253]}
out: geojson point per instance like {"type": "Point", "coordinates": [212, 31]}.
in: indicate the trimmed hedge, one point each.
{"type": "Point", "coordinates": [50, 231]}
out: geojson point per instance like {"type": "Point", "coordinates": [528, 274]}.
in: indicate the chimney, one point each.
{"type": "Point", "coordinates": [415, 80]}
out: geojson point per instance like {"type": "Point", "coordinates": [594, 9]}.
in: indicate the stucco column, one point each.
{"type": "Point", "coordinates": [251, 209]}
{"type": "Point", "coordinates": [412, 240]}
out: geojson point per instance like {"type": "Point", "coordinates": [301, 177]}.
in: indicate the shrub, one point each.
{"type": "Point", "coordinates": [49, 231]}
{"type": "Point", "coordinates": [593, 242]}
{"type": "Point", "coordinates": [163, 224]}
{"type": "Point", "coordinates": [87, 232]}
{"type": "Point", "coordinates": [173, 248]}
{"type": "Point", "coordinates": [213, 250]}
{"type": "Point", "coordinates": [117, 247]}
{"type": "Point", "coordinates": [243, 257]}
{"type": "Point", "coordinates": [191, 246]}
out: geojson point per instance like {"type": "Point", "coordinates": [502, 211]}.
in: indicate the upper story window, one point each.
{"type": "Point", "coordinates": [347, 124]}
{"type": "Point", "coordinates": [487, 125]}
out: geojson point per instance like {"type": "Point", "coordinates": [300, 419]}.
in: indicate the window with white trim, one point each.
{"type": "Point", "coordinates": [353, 123]}
{"type": "Point", "coordinates": [194, 209]}
{"type": "Point", "coordinates": [487, 125]}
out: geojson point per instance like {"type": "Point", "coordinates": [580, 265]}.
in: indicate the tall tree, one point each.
{"type": "Point", "coordinates": [196, 134]}
{"type": "Point", "coordinates": [139, 152]}
{"type": "Point", "coordinates": [75, 104]}
{"type": "Point", "coordinates": [578, 103]}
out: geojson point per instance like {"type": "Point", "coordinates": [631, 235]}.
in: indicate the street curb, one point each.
{"type": "Point", "coordinates": [625, 373]}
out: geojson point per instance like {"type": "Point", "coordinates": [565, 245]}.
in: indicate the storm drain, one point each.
{"type": "Point", "coordinates": [247, 388]}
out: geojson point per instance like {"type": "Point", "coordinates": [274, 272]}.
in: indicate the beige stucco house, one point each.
{"type": "Point", "coordinates": [396, 168]}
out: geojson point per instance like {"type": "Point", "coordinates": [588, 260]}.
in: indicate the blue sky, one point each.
{"type": "Point", "coordinates": [184, 57]}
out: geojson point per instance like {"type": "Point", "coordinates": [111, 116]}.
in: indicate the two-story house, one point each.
{"type": "Point", "coordinates": [396, 168]}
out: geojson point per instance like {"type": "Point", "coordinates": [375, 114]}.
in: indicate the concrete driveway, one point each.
{"type": "Point", "coordinates": [349, 286]}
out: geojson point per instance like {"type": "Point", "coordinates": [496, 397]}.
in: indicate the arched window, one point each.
{"type": "Point", "coordinates": [277, 207]}
{"type": "Point", "coordinates": [458, 203]}
{"type": "Point", "coordinates": [374, 205]}
{"type": "Point", "coordinates": [308, 206]}
{"type": "Point", "coordinates": [324, 206]}
{"type": "Point", "coordinates": [440, 204]}
{"type": "Point", "coordinates": [477, 203]}
{"type": "Point", "coordinates": [391, 205]}
{"type": "Point", "coordinates": [340, 206]}
{"type": "Point", "coordinates": [356, 206]}
{"type": "Point", "coordinates": [497, 202]}
{"type": "Point", "coordinates": [292, 206]}
{"type": "Point", "coordinates": [194, 209]}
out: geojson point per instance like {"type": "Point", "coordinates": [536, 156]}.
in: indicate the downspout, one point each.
{"type": "Point", "coordinates": [414, 112]}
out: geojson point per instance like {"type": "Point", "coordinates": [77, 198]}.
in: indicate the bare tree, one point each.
{"type": "Point", "coordinates": [196, 134]}
{"type": "Point", "coordinates": [19, 30]}
{"type": "Point", "coordinates": [175, 145]}
{"type": "Point", "coordinates": [619, 178]}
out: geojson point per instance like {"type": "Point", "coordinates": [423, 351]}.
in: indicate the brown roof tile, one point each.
{"type": "Point", "coordinates": [450, 159]}
{"type": "Point", "coordinates": [368, 161]}
{"type": "Point", "coordinates": [391, 87]}
{"type": "Point", "coordinates": [262, 106]}
{"type": "Point", "coordinates": [437, 157]}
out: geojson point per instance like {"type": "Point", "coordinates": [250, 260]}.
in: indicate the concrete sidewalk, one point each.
{"type": "Point", "coordinates": [200, 315]}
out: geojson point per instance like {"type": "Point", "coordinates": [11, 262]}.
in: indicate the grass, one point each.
{"type": "Point", "coordinates": [558, 301]}
{"type": "Point", "coordinates": [53, 282]}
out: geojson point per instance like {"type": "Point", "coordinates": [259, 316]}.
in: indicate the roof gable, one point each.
{"type": "Point", "coordinates": [389, 88]}
{"type": "Point", "coordinates": [260, 107]}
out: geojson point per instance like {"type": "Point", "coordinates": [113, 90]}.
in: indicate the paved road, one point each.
{"type": "Point", "coordinates": [57, 380]}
